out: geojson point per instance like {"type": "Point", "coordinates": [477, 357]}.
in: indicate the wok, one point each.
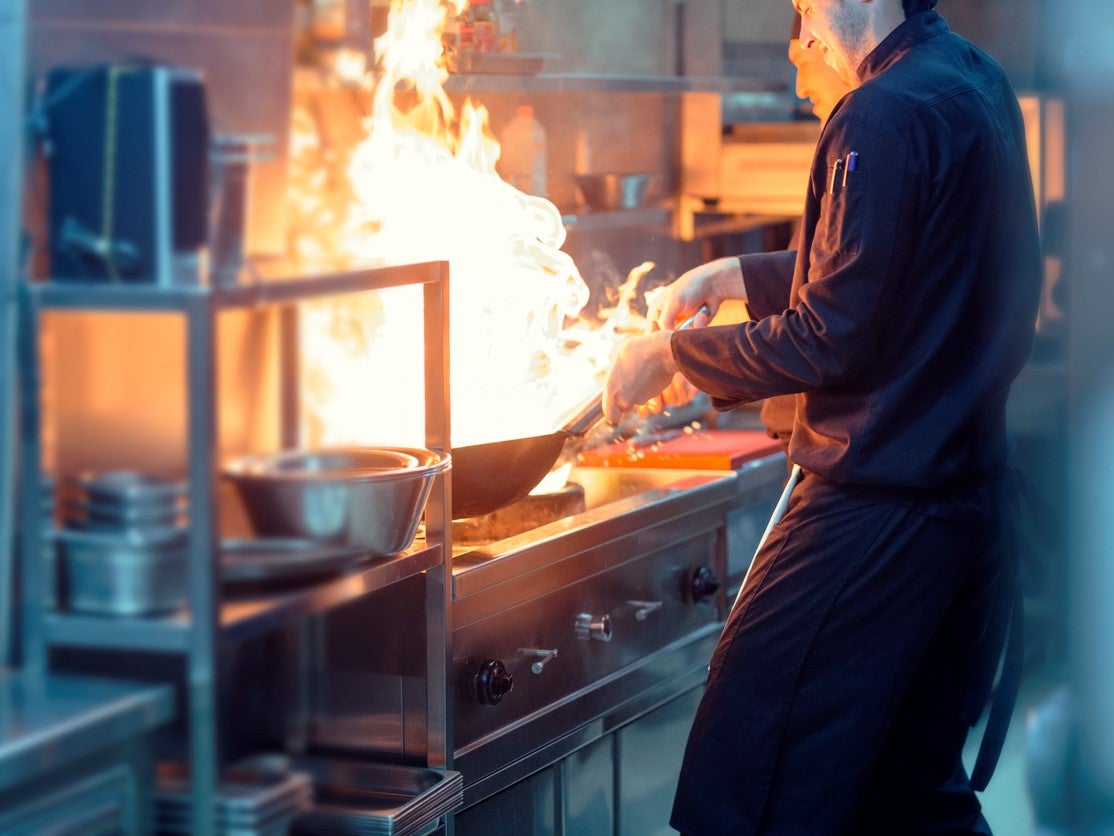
{"type": "Point", "coordinates": [489, 476]}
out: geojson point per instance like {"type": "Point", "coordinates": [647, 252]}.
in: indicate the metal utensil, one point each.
{"type": "Point", "coordinates": [131, 490]}
{"type": "Point", "coordinates": [124, 574]}
{"type": "Point", "coordinates": [608, 192]}
{"type": "Point", "coordinates": [489, 476]}
{"type": "Point", "coordinates": [775, 518]}
{"type": "Point", "coordinates": [264, 561]}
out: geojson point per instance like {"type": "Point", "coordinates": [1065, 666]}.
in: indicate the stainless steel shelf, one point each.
{"type": "Point", "coordinates": [596, 83]}
{"type": "Point", "coordinates": [169, 634]}
{"type": "Point", "coordinates": [51, 721]}
{"type": "Point", "coordinates": [276, 283]}
{"type": "Point", "coordinates": [198, 632]}
{"type": "Point", "coordinates": [240, 618]}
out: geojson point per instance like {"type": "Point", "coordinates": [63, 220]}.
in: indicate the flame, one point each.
{"type": "Point", "coordinates": [423, 186]}
{"type": "Point", "coordinates": [553, 481]}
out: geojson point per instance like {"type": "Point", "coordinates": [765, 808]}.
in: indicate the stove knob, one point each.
{"type": "Point", "coordinates": [703, 584]}
{"type": "Point", "coordinates": [593, 627]}
{"type": "Point", "coordinates": [493, 682]}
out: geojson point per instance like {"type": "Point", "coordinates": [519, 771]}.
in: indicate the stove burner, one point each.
{"type": "Point", "coordinates": [526, 514]}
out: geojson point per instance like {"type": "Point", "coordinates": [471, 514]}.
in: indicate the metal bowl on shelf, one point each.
{"type": "Point", "coordinates": [371, 497]}
{"type": "Point", "coordinates": [607, 192]}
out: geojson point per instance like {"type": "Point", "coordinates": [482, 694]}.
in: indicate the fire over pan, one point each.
{"type": "Point", "coordinates": [489, 476]}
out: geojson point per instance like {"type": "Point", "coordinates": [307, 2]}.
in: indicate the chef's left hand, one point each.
{"type": "Point", "coordinates": [641, 370]}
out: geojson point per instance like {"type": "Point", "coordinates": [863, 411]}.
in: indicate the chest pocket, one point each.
{"type": "Point", "coordinates": [845, 215]}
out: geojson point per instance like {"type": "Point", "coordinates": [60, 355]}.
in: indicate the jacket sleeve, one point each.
{"type": "Point", "coordinates": [855, 244]}
{"type": "Point", "coordinates": [767, 278]}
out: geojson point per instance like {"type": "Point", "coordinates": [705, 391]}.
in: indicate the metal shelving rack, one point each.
{"type": "Point", "coordinates": [198, 631]}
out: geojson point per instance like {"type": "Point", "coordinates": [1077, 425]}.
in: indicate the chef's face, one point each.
{"type": "Point", "coordinates": [837, 29]}
{"type": "Point", "coordinates": [816, 81]}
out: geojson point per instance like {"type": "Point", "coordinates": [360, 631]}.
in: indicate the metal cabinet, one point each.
{"type": "Point", "coordinates": [621, 784]}
{"type": "Point", "coordinates": [528, 808]}
{"type": "Point", "coordinates": [588, 789]}
{"type": "Point", "coordinates": [648, 763]}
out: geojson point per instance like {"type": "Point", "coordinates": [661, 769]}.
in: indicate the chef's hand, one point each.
{"type": "Point", "coordinates": [708, 285]}
{"type": "Point", "coordinates": [642, 368]}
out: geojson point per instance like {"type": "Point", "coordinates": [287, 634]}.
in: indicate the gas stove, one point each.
{"type": "Point", "coordinates": [559, 627]}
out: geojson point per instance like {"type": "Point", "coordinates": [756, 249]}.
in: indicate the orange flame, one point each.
{"type": "Point", "coordinates": [424, 187]}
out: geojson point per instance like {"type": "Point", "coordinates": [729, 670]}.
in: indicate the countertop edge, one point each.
{"type": "Point", "coordinates": [50, 720]}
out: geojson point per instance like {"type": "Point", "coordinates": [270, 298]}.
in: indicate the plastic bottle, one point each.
{"type": "Point", "coordinates": [522, 160]}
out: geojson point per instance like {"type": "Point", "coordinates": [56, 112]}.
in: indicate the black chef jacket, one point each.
{"type": "Point", "coordinates": [914, 293]}
{"type": "Point", "coordinates": [864, 640]}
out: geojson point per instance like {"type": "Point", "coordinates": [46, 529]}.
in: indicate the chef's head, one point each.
{"type": "Point", "coordinates": [844, 32]}
{"type": "Point", "coordinates": [816, 81]}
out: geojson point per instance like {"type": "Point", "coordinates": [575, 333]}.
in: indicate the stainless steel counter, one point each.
{"type": "Point", "coordinates": [48, 722]}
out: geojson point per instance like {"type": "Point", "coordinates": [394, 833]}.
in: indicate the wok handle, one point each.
{"type": "Point", "coordinates": [586, 417]}
{"type": "Point", "coordinates": [591, 413]}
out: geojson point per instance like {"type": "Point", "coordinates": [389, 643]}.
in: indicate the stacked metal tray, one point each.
{"type": "Point", "coordinates": [253, 799]}
{"type": "Point", "coordinates": [373, 799]}
{"type": "Point", "coordinates": [123, 545]}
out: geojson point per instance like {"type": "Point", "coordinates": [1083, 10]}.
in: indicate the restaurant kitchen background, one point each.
{"type": "Point", "coordinates": [232, 230]}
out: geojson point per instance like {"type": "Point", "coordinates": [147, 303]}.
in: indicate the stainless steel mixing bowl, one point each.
{"type": "Point", "coordinates": [371, 497]}
{"type": "Point", "coordinates": [608, 192]}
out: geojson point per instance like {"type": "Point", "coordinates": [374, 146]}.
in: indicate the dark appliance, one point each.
{"type": "Point", "coordinates": [127, 149]}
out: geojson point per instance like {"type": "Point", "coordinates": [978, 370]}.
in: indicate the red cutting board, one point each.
{"type": "Point", "coordinates": [693, 450]}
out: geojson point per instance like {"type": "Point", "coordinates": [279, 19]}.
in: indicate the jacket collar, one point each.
{"type": "Point", "coordinates": [914, 29]}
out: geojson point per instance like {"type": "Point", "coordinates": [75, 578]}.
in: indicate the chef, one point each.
{"type": "Point", "coordinates": [823, 87]}
{"type": "Point", "coordinates": [864, 641]}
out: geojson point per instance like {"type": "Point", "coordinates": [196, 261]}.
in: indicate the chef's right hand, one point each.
{"type": "Point", "coordinates": [708, 285]}
{"type": "Point", "coordinates": [641, 369]}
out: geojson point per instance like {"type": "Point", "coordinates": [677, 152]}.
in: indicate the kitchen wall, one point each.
{"type": "Point", "coordinates": [115, 391]}
{"type": "Point", "coordinates": [621, 37]}
{"type": "Point", "coordinates": [1019, 34]}
{"type": "Point", "coordinates": [245, 49]}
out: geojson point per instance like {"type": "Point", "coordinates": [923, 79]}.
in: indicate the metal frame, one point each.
{"type": "Point", "coordinates": [13, 25]}
{"type": "Point", "coordinates": [198, 634]}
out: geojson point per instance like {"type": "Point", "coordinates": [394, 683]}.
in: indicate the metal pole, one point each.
{"type": "Point", "coordinates": [204, 724]}
{"type": "Point", "coordinates": [438, 525]}
{"type": "Point", "coordinates": [13, 27]}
